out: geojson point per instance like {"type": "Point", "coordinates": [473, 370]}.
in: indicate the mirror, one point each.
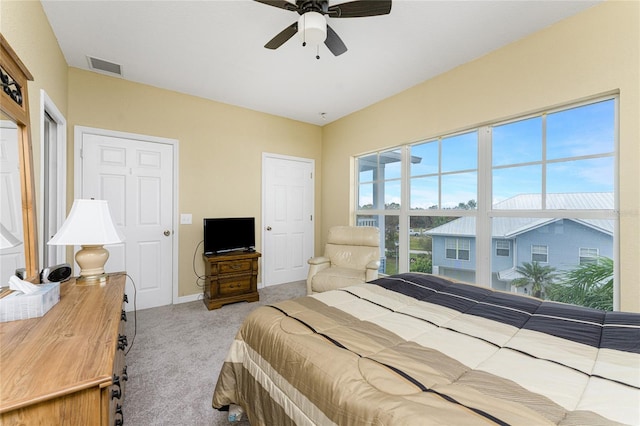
{"type": "Point", "coordinates": [18, 232]}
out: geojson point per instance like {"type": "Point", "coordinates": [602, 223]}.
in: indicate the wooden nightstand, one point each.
{"type": "Point", "coordinates": [231, 277]}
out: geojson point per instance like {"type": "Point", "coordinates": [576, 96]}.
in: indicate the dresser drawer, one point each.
{"type": "Point", "coordinates": [234, 285]}
{"type": "Point", "coordinates": [234, 266]}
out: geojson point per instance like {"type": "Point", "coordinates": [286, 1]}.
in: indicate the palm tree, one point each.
{"type": "Point", "coordinates": [536, 275]}
{"type": "Point", "coordinates": [589, 284]}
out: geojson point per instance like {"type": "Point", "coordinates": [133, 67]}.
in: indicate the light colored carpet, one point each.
{"type": "Point", "coordinates": [177, 354]}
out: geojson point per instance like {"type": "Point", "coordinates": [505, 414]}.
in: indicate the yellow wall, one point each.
{"type": "Point", "coordinates": [26, 28]}
{"type": "Point", "coordinates": [591, 53]}
{"type": "Point", "coordinates": [220, 149]}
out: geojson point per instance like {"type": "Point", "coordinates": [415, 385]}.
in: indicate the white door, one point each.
{"type": "Point", "coordinates": [11, 228]}
{"type": "Point", "coordinates": [136, 177]}
{"type": "Point", "coordinates": [287, 206]}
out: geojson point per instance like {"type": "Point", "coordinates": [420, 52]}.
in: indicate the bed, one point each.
{"type": "Point", "coordinates": [416, 349]}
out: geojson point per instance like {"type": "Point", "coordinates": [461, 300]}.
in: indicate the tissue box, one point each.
{"type": "Point", "coordinates": [17, 306]}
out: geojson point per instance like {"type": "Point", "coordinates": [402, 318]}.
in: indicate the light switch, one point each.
{"type": "Point", "coordinates": [185, 219]}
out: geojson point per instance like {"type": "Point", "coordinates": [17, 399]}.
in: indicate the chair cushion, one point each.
{"type": "Point", "coordinates": [336, 277]}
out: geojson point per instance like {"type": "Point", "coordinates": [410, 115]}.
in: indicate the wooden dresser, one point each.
{"type": "Point", "coordinates": [231, 277]}
{"type": "Point", "coordinates": [67, 367]}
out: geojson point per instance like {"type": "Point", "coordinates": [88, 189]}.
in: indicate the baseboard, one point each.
{"type": "Point", "coordinates": [189, 298]}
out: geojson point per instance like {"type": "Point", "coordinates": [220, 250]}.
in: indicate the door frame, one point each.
{"type": "Point", "coordinates": [47, 105]}
{"type": "Point", "coordinates": [79, 131]}
{"type": "Point", "coordinates": [312, 163]}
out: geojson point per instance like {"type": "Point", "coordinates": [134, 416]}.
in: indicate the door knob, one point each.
{"type": "Point", "coordinates": [268, 228]}
{"type": "Point", "coordinates": [167, 233]}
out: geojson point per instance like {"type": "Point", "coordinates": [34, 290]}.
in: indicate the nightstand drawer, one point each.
{"type": "Point", "coordinates": [234, 266]}
{"type": "Point", "coordinates": [234, 285]}
{"type": "Point", "coordinates": [231, 277]}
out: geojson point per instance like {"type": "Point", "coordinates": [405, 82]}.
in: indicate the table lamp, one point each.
{"type": "Point", "coordinates": [89, 225]}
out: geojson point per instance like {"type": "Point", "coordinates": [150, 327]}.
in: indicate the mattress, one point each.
{"type": "Point", "coordinates": [416, 349]}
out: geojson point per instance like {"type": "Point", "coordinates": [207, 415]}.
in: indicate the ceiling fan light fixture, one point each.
{"type": "Point", "coordinates": [312, 27]}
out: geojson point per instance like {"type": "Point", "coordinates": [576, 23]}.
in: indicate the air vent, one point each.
{"type": "Point", "coordinates": [104, 66]}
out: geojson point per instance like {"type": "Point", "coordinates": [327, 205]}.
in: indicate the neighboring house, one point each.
{"type": "Point", "coordinates": [559, 243]}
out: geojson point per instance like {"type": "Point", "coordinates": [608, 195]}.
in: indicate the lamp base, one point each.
{"type": "Point", "coordinates": [91, 259]}
{"type": "Point", "coordinates": [86, 280]}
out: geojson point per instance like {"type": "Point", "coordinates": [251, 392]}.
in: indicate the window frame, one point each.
{"type": "Point", "coordinates": [591, 258]}
{"type": "Point", "coordinates": [507, 248]}
{"type": "Point", "coordinates": [485, 213]}
{"type": "Point", "coordinates": [542, 250]}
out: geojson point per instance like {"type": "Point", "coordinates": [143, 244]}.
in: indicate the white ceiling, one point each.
{"type": "Point", "coordinates": [214, 48]}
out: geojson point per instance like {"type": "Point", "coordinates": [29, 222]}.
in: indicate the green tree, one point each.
{"type": "Point", "coordinates": [536, 275]}
{"type": "Point", "coordinates": [589, 284]}
{"type": "Point", "coordinates": [421, 264]}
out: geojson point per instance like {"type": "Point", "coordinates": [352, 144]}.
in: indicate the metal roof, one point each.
{"type": "Point", "coordinates": [509, 227]}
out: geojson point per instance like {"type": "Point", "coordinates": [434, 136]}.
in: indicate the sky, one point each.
{"type": "Point", "coordinates": [571, 150]}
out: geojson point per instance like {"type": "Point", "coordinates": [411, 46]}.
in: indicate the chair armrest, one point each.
{"type": "Point", "coordinates": [371, 273]}
{"type": "Point", "coordinates": [318, 260]}
{"type": "Point", "coordinates": [316, 264]}
{"type": "Point", "coordinates": [374, 264]}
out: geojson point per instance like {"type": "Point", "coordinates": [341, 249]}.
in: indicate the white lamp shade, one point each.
{"type": "Point", "coordinates": [88, 223]}
{"type": "Point", "coordinates": [312, 27]}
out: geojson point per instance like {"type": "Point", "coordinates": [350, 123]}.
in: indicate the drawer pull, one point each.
{"type": "Point", "coordinates": [116, 393]}
{"type": "Point", "coordinates": [122, 342]}
{"type": "Point", "coordinates": [120, 421]}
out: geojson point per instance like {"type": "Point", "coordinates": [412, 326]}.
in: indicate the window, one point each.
{"type": "Point", "coordinates": [535, 184]}
{"type": "Point", "coordinates": [457, 248]}
{"type": "Point", "coordinates": [539, 253]}
{"type": "Point", "coordinates": [588, 255]}
{"type": "Point", "coordinates": [503, 248]}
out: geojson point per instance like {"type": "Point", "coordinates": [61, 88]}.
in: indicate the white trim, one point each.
{"type": "Point", "coordinates": [46, 104]}
{"type": "Point", "coordinates": [312, 163]}
{"type": "Point", "coordinates": [77, 174]}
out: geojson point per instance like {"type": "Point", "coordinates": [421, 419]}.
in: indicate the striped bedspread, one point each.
{"type": "Point", "coordinates": [416, 349]}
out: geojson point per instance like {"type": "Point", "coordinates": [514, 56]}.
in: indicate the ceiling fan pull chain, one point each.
{"type": "Point", "coordinates": [304, 33]}
{"type": "Point", "coordinates": [317, 51]}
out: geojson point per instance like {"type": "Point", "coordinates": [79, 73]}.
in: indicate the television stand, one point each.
{"type": "Point", "coordinates": [231, 277]}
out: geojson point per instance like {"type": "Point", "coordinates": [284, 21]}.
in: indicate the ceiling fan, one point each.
{"type": "Point", "coordinates": [312, 23]}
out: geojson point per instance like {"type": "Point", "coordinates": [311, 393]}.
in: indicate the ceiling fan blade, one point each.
{"type": "Point", "coordinates": [360, 8]}
{"type": "Point", "coordinates": [282, 4]}
{"type": "Point", "coordinates": [334, 42]}
{"type": "Point", "coordinates": [283, 36]}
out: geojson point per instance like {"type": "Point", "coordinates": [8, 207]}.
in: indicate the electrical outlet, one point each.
{"type": "Point", "coordinates": [185, 219]}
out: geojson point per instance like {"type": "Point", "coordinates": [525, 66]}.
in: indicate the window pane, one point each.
{"type": "Point", "coordinates": [511, 184]}
{"type": "Point", "coordinates": [420, 243]}
{"type": "Point", "coordinates": [389, 247]}
{"type": "Point", "coordinates": [365, 196]}
{"type": "Point", "coordinates": [558, 246]}
{"type": "Point", "coordinates": [460, 191]}
{"type": "Point", "coordinates": [518, 142]}
{"type": "Point", "coordinates": [424, 192]}
{"type": "Point", "coordinates": [460, 152]}
{"type": "Point", "coordinates": [392, 195]}
{"type": "Point", "coordinates": [390, 164]}
{"type": "Point", "coordinates": [366, 167]}
{"type": "Point", "coordinates": [584, 130]}
{"type": "Point", "coordinates": [580, 176]}
{"type": "Point", "coordinates": [424, 158]}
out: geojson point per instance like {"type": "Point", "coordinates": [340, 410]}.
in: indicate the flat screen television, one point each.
{"type": "Point", "coordinates": [228, 234]}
